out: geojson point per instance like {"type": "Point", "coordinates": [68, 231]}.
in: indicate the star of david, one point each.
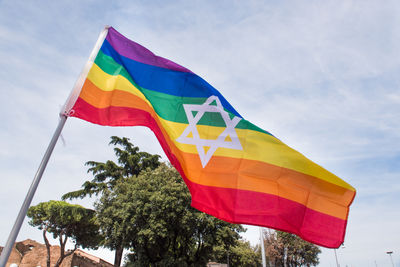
{"type": "Point", "coordinates": [227, 139]}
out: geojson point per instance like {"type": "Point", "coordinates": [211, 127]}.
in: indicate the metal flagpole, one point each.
{"type": "Point", "coordinates": [65, 112]}
{"type": "Point", "coordinates": [264, 263]}
{"type": "Point", "coordinates": [28, 199]}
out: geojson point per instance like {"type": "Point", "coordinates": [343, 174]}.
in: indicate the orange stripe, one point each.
{"type": "Point", "coordinates": [236, 173]}
{"type": "Point", "coordinates": [117, 98]}
{"type": "Point", "coordinates": [266, 178]}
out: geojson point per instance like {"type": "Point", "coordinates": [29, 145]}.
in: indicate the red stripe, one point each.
{"type": "Point", "coordinates": [232, 205]}
{"type": "Point", "coordinates": [111, 116]}
{"type": "Point", "coordinates": [248, 207]}
{"type": "Point", "coordinates": [122, 116]}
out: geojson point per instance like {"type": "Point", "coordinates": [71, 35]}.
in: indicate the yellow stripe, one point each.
{"type": "Point", "coordinates": [256, 145]}
{"type": "Point", "coordinates": [107, 82]}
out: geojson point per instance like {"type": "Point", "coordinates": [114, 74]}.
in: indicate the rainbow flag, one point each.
{"type": "Point", "coordinates": [234, 170]}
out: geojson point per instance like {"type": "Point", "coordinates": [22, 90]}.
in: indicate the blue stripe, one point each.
{"type": "Point", "coordinates": [166, 81]}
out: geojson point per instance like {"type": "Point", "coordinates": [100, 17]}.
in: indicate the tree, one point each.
{"type": "Point", "coordinates": [284, 247]}
{"type": "Point", "coordinates": [131, 161]}
{"type": "Point", "coordinates": [153, 212]}
{"type": "Point", "coordinates": [241, 254]}
{"type": "Point", "coordinates": [64, 221]}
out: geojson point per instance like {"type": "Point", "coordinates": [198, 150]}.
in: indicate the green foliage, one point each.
{"type": "Point", "coordinates": [151, 214]}
{"type": "Point", "coordinates": [241, 254]}
{"type": "Point", "coordinates": [63, 219]}
{"type": "Point", "coordinates": [130, 160]}
{"type": "Point", "coordinates": [282, 246]}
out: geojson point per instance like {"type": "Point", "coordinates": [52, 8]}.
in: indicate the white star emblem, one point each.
{"type": "Point", "coordinates": [213, 145]}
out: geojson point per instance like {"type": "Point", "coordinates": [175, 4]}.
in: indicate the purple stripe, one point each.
{"type": "Point", "coordinates": [135, 51]}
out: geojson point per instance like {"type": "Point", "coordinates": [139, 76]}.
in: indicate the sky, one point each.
{"type": "Point", "coordinates": [322, 76]}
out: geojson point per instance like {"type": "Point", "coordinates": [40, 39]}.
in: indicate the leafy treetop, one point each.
{"type": "Point", "coordinates": [130, 160]}
{"type": "Point", "coordinates": [63, 221]}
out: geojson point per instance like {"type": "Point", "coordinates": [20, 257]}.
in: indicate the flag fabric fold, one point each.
{"type": "Point", "coordinates": [234, 170]}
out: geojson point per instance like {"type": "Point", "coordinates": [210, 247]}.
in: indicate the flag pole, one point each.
{"type": "Point", "coordinates": [65, 112]}
{"type": "Point", "coordinates": [29, 196]}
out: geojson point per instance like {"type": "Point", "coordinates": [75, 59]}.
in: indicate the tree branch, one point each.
{"type": "Point", "coordinates": [72, 251]}
{"type": "Point", "coordinates": [62, 249]}
{"type": "Point", "coordinates": [65, 241]}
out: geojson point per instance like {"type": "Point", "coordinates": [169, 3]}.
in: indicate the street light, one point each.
{"type": "Point", "coordinates": [390, 254]}
{"type": "Point", "coordinates": [337, 262]}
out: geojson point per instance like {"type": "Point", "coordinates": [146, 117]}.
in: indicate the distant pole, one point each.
{"type": "Point", "coordinates": [29, 196]}
{"type": "Point", "coordinates": [227, 258]}
{"type": "Point", "coordinates": [390, 254]}
{"type": "Point", "coordinates": [285, 256]}
{"type": "Point", "coordinates": [337, 262]}
{"type": "Point", "coordinates": [264, 263]}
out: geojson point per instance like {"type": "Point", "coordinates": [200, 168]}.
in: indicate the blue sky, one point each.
{"type": "Point", "coordinates": [323, 76]}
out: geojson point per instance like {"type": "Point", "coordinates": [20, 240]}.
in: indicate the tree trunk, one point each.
{"type": "Point", "coordinates": [62, 246]}
{"type": "Point", "coordinates": [46, 241]}
{"type": "Point", "coordinates": [63, 255]}
{"type": "Point", "coordinates": [118, 256]}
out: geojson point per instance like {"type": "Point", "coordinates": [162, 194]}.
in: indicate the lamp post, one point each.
{"type": "Point", "coordinates": [337, 262]}
{"type": "Point", "coordinates": [264, 263]}
{"type": "Point", "coordinates": [390, 254]}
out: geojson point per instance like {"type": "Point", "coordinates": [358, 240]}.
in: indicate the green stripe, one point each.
{"type": "Point", "coordinates": [169, 107]}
